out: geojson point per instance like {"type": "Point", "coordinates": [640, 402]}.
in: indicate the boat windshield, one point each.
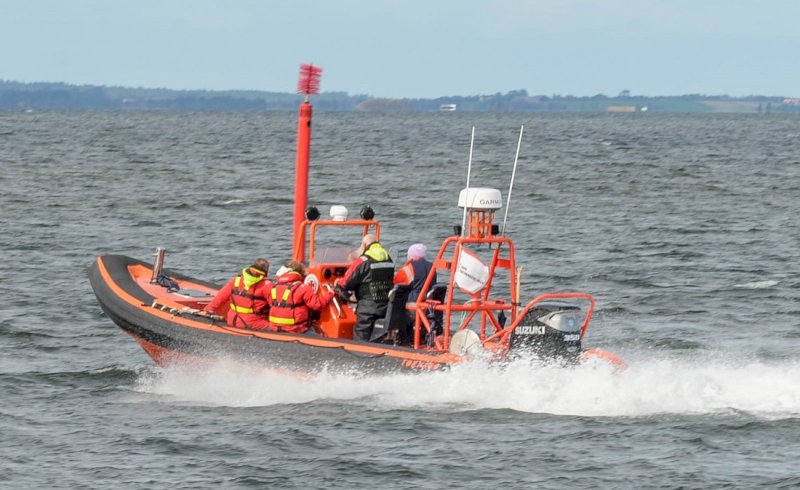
{"type": "Point", "coordinates": [333, 255]}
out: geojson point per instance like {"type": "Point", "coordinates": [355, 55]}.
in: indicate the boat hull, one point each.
{"type": "Point", "coordinates": [169, 334]}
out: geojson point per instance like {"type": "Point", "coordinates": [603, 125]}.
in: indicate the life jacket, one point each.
{"type": "Point", "coordinates": [242, 298]}
{"type": "Point", "coordinates": [282, 309]}
{"type": "Point", "coordinates": [378, 280]}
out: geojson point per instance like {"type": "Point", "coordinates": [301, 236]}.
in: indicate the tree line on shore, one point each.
{"type": "Point", "coordinates": [61, 96]}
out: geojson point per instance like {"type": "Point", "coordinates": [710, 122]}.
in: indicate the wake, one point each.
{"type": "Point", "coordinates": [648, 387]}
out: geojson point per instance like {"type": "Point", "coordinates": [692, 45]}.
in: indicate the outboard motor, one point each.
{"type": "Point", "coordinates": [550, 332]}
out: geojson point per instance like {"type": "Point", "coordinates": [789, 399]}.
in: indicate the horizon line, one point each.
{"type": "Point", "coordinates": [619, 95]}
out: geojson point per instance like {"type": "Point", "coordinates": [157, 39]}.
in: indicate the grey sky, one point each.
{"type": "Point", "coordinates": [410, 48]}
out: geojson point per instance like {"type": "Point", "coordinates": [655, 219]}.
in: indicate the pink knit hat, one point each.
{"type": "Point", "coordinates": [417, 251]}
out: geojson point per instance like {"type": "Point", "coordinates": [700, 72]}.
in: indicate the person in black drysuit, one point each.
{"type": "Point", "coordinates": [369, 277]}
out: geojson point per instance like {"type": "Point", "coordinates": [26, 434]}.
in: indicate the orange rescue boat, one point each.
{"type": "Point", "coordinates": [473, 311]}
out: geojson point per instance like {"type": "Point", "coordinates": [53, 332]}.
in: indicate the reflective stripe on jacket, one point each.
{"type": "Point", "coordinates": [371, 278]}
{"type": "Point", "coordinates": [243, 297]}
{"type": "Point", "coordinates": [282, 311]}
{"type": "Point", "coordinates": [414, 273]}
{"type": "Point", "coordinates": [290, 302]}
{"type": "Point", "coordinates": [377, 282]}
{"type": "Point", "coordinates": [236, 299]}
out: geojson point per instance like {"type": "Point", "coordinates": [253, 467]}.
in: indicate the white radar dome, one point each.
{"type": "Point", "coordinates": [480, 198]}
{"type": "Point", "coordinates": [338, 213]}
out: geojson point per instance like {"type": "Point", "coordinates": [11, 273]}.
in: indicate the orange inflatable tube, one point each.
{"type": "Point", "coordinates": [615, 360]}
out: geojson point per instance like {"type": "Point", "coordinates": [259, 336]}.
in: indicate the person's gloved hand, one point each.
{"type": "Point", "coordinates": [342, 294]}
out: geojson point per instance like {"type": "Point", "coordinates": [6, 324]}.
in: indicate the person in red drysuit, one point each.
{"type": "Point", "coordinates": [291, 300]}
{"type": "Point", "coordinates": [246, 296]}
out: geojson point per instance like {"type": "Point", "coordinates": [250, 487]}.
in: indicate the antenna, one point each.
{"type": "Point", "coordinates": [511, 185]}
{"type": "Point", "coordinates": [466, 193]}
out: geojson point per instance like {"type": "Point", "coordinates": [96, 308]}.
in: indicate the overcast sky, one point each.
{"type": "Point", "coordinates": [410, 48]}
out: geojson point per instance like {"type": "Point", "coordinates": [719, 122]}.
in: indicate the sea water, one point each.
{"type": "Point", "coordinates": [683, 227]}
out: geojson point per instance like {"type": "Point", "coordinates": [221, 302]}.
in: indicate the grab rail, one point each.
{"type": "Point", "coordinates": [543, 297]}
{"type": "Point", "coordinates": [335, 300]}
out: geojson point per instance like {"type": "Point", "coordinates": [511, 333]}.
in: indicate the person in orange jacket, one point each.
{"type": "Point", "coordinates": [291, 300]}
{"type": "Point", "coordinates": [246, 295]}
{"type": "Point", "coordinates": [413, 273]}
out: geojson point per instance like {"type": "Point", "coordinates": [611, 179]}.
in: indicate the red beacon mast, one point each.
{"type": "Point", "coordinates": [307, 85]}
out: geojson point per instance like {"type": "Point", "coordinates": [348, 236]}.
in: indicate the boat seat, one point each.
{"type": "Point", "coordinates": [436, 295]}
{"type": "Point", "coordinates": [396, 318]}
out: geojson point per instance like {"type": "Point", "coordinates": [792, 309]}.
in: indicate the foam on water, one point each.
{"type": "Point", "coordinates": [758, 284]}
{"type": "Point", "coordinates": [648, 387]}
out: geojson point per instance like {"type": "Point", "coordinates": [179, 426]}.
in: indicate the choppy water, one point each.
{"type": "Point", "coordinates": [684, 228]}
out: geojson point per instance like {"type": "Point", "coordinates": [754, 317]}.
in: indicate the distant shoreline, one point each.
{"type": "Point", "coordinates": [45, 95]}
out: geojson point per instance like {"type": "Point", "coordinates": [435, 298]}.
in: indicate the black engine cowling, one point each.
{"type": "Point", "coordinates": [550, 332]}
